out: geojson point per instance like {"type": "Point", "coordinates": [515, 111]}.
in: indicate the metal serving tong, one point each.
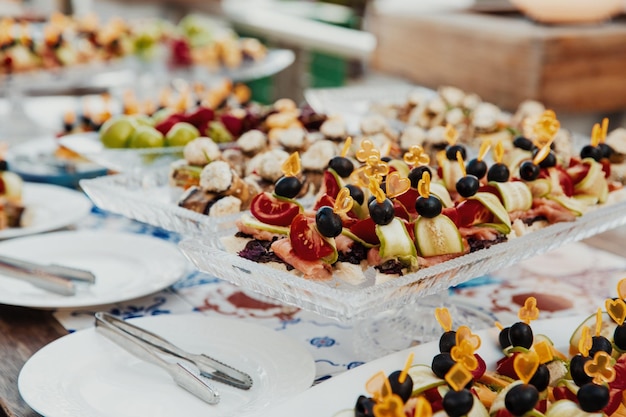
{"type": "Point", "coordinates": [147, 345]}
{"type": "Point", "coordinates": [55, 278]}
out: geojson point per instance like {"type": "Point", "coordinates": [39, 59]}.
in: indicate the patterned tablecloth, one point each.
{"type": "Point", "coordinates": [571, 280]}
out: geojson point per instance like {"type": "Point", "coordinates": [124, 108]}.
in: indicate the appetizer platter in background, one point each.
{"type": "Point", "coordinates": [75, 43]}
{"type": "Point", "coordinates": [44, 161]}
{"type": "Point", "coordinates": [80, 51]}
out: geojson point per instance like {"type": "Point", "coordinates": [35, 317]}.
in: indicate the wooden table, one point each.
{"type": "Point", "coordinates": [23, 331]}
{"type": "Point", "coordinates": [506, 58]}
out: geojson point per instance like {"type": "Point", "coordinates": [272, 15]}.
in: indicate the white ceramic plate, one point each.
{"type": "Point", "coordinates": [86, 374]}
{"type": "Point", "coordinates": [48, 207]}
{"type": "Point", "coordinates": [126, 266]}
{"type": "Point", "coordinates": [341, 392]}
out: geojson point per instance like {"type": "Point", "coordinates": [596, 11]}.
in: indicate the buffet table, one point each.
{"type": "Point", "coordinates": [569, 281]}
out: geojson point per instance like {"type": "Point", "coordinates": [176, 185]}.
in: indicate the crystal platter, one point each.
{"type": "Point", "coordinates": [337, 299]}
{"type": "Point", "coordinates": [89, 146]}
{"type": "Point", "coordinates": [149, 198]}
{"type": "Point", "coordinates": [355, 102]}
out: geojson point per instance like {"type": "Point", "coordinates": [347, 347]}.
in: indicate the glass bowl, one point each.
{"type": "Point", "coordinates": [88, 146]}
{"type": "Point", "coordinates": [338, 299]}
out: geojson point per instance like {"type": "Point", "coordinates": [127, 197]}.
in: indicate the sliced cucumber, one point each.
{"type": "Point", "coordinates": [496, 208]}
{"type": "Point", "coordinates": [607, 330]}
{"type": "Point", "coordinates": [400, 166]}
{"type": "Point", "coordinates": [576, 206]}
{"type": "Point", "coordinates": [348, 233]}
{"type": "Point", "coordinates": [290, 200]}
{"type": "Point", "coordinates": [439, 190]}
{"type": "Point", "coordinates": [437, 236]}
{"type": "Point", "coordinates": [250, 221]}
{"type": "Point", "coordinates": [540, 187]}
{"type": "Point", "coordinates": [499, 227]}
{"type": "Point", "coordinates": [478, 409]}
{"type": "Point", "coordinates": [451, 172]}
{"type": "Point", "coordinates": [395, 242]}
{"type": "Point", "coordinates": [567, 408]}
{"type": "Point", "coordinates": [514, 157]}
{"type": "Point", "coordinates": [586, 199]}
{"type": "Point", "coordinates": [515, 195]}
{"type": "Point", "coordinates": [424, 379]}
{"type": "Point", "coordinates": [360, 212]}
{"type": "Point", "coordinates": [498, 402]}
{"type": "Point", "coordinates": [594, 183]}
{"type": "Point", "coordinates": [332, 258]}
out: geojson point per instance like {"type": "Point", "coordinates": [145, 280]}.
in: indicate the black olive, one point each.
{"type": "Point", "coordinates": [541, 379]}
{"type": "Point", "coordinates": [600, 343]}
{"type": "Point", "coordinates": [403, 390]}
{"type": "Point", "coordinates": [498, 172]}
{"type": "Point", "coordinates": [521, 399]}
{"type": "Point", "coordinates": [467, 186]}
{"type": "Point", "coordinates": [428, 207]}
{"type": "Point", "coordinates": [4, 166]}
{"type": "Point", "coordinates": [287, 187]}
{"type": "Point", "coordinates": [577, 370]}
{"type": "Point", "coordinates": [520, 334]}
{"type": "Point", "coordinates": [328, 222]}
{"type": "Point", "coordinates": [476, 168]}
{"type": "Point", "coordinates": [593, 397]}
{"type": "Point", "coordinates": [458, 403]}
{"type": "Point", "coordinates": [528, 171]}
{"type": "Point", "coordinates": [416, 174]}
{"type": "Point", "coordinates": [447, 341]}
{"type": "Point", "coordinates": [523, 143]}
{"type": "Point", "coordinates": [548, 162]}
{"type": "Point", "coordinates": [590, 151]}
{"type": "Point", "coordinates": [364, 407]}
{"type": "Point", "coordinates": [453, 149]}
{"type": "Point", "coordinates": [619, 337]}
{"type": "Point", "coordinates": [503, 338]}
{"type": "Point", "coordinates": [356, 193]}
{"type": "Point", "coordinates": [441, 364]}
{"type": "Point", "coordinates": [606, 150]}
{"type": "Point", "coordinates": [342, 166]}
{"type": "Point", "coordinates": [382, 213]}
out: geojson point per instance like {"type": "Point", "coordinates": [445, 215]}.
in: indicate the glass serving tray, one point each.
{"type": "Point", "coordinates": [355, 102]}
{"type": "Point", "coordinates": [275, 61]}
{"type": "Point", "coordinates": [337, 299]}
{"type": "Point", "coordinates": [149, 198]}
{"type": "Point", "coordinates": [93, 74]}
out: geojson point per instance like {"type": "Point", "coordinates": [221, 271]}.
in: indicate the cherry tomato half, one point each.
{"type": "Point", "coordinates": [306, 241]}
{"type": "Point", "coordinates": [271, 210]}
